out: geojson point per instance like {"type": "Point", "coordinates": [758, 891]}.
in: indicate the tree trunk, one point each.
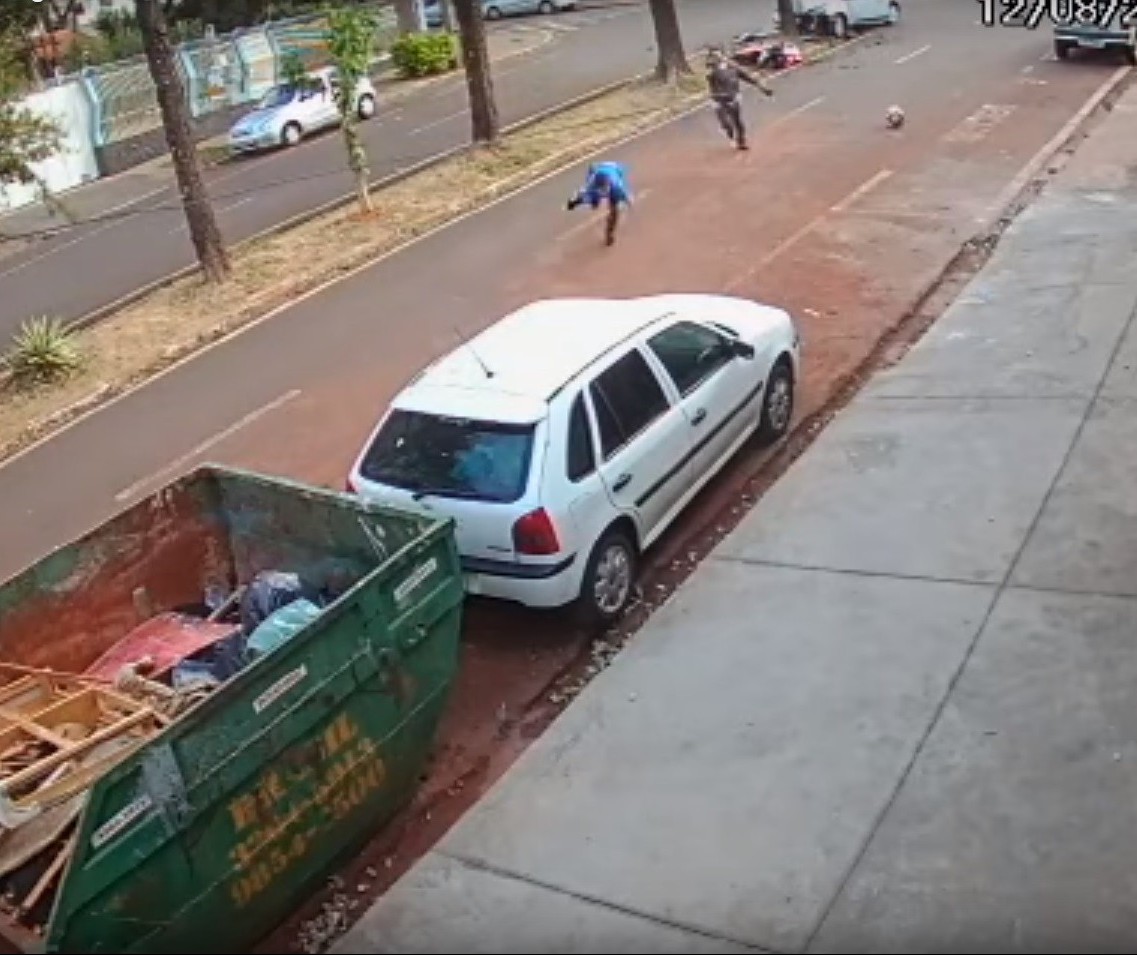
{"type": "Point", "coordinates": [484, 122]}
{"type": "Point", "coordinates": [406, 16]}
{"type": "Point", "coordinates": [668, 40]}
{"type": "Point", "coordinates": [357, 160]}
{"type": "Point", "coordinates": [202, 223]}
{"type": "Point", "coordinates": [447, 8]}
{"type": "Point", "coordinates": [787, 18]}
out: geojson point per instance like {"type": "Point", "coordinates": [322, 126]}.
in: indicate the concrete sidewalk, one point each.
{"type": "Point", "coordinates": [896, 711]}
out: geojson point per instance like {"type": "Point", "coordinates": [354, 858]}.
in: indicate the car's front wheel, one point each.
{"type": "Point", "coordinates": [291, 134]}
{"type": "Point", "coordinates": [894, 13]}
{"type": "Point", "coordinates": [609, 580]}
{"type": "Point", "coordinates": [839, 26]}
{"type": "Point", "coordinates": [365, 108]}
{"type": "Point", "coordinates": [777, 403]}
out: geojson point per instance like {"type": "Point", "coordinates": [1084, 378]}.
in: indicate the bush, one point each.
{"type": "Point", "coordinates": [424, 54]}
{"type": "Point", "coordinates": [43, 351]}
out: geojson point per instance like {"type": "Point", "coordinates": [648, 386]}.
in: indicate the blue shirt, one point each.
{"type": "Point", "coordinates": [606, 180]}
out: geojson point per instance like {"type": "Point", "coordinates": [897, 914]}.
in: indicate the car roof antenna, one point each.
{"type": "Point", "coordinates": [478, 358]}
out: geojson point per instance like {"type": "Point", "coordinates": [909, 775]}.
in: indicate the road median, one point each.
{"type": "Point", "coordinates": [170, 321]}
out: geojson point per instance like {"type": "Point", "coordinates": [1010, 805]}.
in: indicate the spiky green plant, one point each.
{"type": "Point", "coordinates": [43, 351]}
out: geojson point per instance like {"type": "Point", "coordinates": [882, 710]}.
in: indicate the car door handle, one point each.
{"type": "Point", "coordinates": [622, 482]}
{"type": "Point", "coordinates": [699, 416]}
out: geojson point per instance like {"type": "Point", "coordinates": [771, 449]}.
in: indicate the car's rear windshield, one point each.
{"type": "Point", "coordinates": [451, 457]}
{"type": "Point", "coordinates": [278, 96]}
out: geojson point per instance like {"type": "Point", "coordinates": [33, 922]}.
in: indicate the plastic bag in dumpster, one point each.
{"type": "Point", "coordinates": [281, 627]}
{"type": "Point", "coordinates": [267, 592]}
{"type": "Point", "coordinates": [225, 659]}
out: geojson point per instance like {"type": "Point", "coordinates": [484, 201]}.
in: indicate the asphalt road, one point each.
{"type": "Point", "coordinates": [297, 393]}
{"type": "Point", "coordinates": [105, 260]}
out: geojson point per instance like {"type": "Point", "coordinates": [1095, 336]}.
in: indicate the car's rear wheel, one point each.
{"type": "Point", "coordinates": [291, 134]}
{"type": "Point", "coordinates": [894, 13]}
{"type": "Point", "coordinates": [365, 108]}
{"type": "Point", "coordinates": [1130, 54]}
{"type": "Point", "coordinates": [839, 26]}
{"type": "Point", "coordinates": [546, 7]}
{"type": "Point", "coordinates": [777, 403]}
{"type": "Point", "coordinates": [1062, 49]}
{"type": "Point", "coordinates": [493, 13]}
{"type": "Point", "coordinates": [609, 580]}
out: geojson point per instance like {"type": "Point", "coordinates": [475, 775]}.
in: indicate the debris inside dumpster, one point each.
{"type": "Point", "coordinates": [61, 732]}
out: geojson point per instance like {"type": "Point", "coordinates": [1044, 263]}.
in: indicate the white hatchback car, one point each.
{"type": "Point", "coordinates": [564, 439]}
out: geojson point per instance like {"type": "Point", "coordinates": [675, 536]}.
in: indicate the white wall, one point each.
{"type": "Point", "coordinates": [75, 163]}
{"type": "Point", "coordinates": [92, 9]}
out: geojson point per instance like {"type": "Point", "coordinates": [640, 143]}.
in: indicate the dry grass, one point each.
{"type": "Point", "coordinates": [175, 321]}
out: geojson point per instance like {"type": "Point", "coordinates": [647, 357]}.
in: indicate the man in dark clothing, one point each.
{"type": "Point", "coordinates": [724, 80]}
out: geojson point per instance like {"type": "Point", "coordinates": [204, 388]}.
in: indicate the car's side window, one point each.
{"type": "Point", "coordinates": [580, 455]}
{"type": "Point", "coordinates": [627, 398]}
{"type": "Point", "coordinates": [690, 353]}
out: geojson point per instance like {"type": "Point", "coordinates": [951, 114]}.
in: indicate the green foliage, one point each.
{"type": "Point", "coordinates": [351, 43]}
{"type": "Point", "coordinates": [25, 137]}
{"type": "Point", "coordinates": [292, 69]}
{"type": "Point", "coordinates": [424, 54]}
{"type": "Point", "coordinates": [42, 352]}
{"type": "Point", "coordinates": [118, 37]}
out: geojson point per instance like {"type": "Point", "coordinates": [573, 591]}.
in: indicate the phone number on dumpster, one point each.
{"type": "Point", "coordinates": [1032, 14]}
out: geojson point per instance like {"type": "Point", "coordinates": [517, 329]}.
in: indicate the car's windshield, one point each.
{"type": "Point", "coordinates": [278, 96]}
{"type": "Point", "coordinates": [451, 457]}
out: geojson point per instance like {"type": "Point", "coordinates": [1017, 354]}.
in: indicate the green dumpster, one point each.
{"type": "Point", "coordinates": [205, 834]}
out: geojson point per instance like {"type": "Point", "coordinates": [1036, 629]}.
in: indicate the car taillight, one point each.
{"type": "Point", "coordinates": [535, 535]}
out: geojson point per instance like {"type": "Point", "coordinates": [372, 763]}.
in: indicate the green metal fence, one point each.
{"type": "Point", "coordinates": [219, 72]}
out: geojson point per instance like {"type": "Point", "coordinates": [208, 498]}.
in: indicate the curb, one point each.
{"type": "Point", "coordinates": [103, 311]}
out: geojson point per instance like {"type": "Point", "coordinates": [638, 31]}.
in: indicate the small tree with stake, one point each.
{"type": "Point", "coordinates": [351, 42]}
{"type": "Point", "coordinates": [202, 223]}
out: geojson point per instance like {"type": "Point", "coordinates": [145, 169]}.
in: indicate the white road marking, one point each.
{"type": "Point", "coordinates": [980, 124]}
{"type": "Point", "coordinates": [915, 53]}
{"type": "Point", "coordinates": [861, 191]}
{"type": "Point", "coordinates": [178, 464]}
{"type": "Point", "coordinates": [418, 130]}
{"type": "Point", "coordinates": [219, 210]}
{"type": "Point", "coordinates": [786, 244]}
{"type": "Point", "coordinates": [1042, 157]}
{"type": "Point", "coordinates": [12, 270]}
{"type": "Point", "coordinates": [121, 207]}
{"type": "Point", "coordinates": [796, 112]}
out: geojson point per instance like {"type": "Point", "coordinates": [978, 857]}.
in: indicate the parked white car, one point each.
{"type": "Point", "coordinates": [287, 113]}
{"type": "Point", "coordinates": [839, 17]}
{"type": "Point", "coordinates": [565, 439]}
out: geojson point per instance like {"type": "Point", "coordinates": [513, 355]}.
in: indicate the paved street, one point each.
{"type": "Point", "coordinates": [893, 712]}
{"type": "Point", "coordinates": [829, 214]}
{"type": "Point", "coordinates": [105, 260]}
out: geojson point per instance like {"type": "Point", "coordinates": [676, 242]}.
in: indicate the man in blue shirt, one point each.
{"type": "Point", "coordinates": [606, 181]}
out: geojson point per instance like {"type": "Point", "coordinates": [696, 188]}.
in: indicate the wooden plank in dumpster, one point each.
{"type": "Point", "coordinates": [207, 835]}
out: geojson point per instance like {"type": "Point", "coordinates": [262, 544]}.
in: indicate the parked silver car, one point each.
{"type": "Point", "coordinates": [287, 113]}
